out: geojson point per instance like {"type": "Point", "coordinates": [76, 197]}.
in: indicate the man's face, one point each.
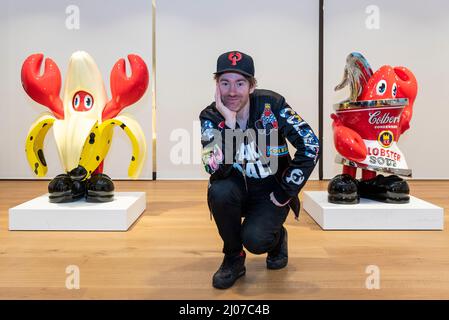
{"type": "Point", "coordinates": [234, 90]}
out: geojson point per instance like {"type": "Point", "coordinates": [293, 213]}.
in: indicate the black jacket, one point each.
{"type": "Point", "coordinates": [270, 118]}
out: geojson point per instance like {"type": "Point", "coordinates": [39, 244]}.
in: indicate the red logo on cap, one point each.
{"type": "Point", "coordinates": [235, 57]}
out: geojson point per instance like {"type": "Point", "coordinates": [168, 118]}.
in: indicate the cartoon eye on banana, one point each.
{"type": "Point", "coordinates": [83, 122]}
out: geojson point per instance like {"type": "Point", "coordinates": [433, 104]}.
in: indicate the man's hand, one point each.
{"type": "Point", "coordinates": [230, 116]}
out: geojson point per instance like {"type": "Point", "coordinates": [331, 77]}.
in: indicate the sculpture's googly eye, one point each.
{"type": "Point", "coordinates": [381, 87]}
{"type": "Point", "coordinates": [88, 101]}
{"type": "Point", "coordinates": [76, 101]}
{"type": "Point", "coordinates": [394, 90]}
{"type": "Point", "coordinates": [82, 101]}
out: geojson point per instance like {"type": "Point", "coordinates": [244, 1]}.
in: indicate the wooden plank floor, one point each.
{"type": "Point", "coordinates": [173, 250]}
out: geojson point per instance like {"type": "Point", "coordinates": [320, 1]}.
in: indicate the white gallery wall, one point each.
{"type": "Point", "coordinates": [409, 33]}
{"type": "Point", "coordinates": [107, 30]}
{"type": "Point", "coordinates": [282, 38]}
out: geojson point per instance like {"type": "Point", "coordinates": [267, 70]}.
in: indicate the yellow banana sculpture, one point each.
{"type": "Point", "coordinates": [83, 121]}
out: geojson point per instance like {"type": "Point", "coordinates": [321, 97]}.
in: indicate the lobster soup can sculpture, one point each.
{"type": "Point", "coordinates": [83, 120]}
{"type": "Point", "coordinates": [366, 129]}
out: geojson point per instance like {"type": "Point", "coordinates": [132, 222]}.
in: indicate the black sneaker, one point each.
{"type": "Point", "coordinates": [343, 189]}
{"type": "Point", "coordinates": [79, 173]}
{"type": "Point", "coordinates": [390, 189]}
{"type": "Point", "coordinates": [232, 268]}
{"type": "Point", "coordinates": [278, 257]}
{"type": "Point", "coordinates": [61, 189]}
{"type": "Point", "coordinates": [100, 188]}
{"type": "Point", "coordinates": [78, 189]}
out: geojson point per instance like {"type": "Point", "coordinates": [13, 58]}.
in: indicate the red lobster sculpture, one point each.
{"type": "Point", "coordinates": [367, 127]}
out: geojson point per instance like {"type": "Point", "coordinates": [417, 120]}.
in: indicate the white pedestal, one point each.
{"type": "Point", "coordinates": [373, 215]}
{"type": "Point", "coordinates": [40, 214]}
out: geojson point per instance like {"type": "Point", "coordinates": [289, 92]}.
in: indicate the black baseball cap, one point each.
{"type": "Point", "coordinates": [235, 61]}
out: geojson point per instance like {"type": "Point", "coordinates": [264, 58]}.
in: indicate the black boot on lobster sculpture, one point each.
{"type": "Point", "coordinates": [391, 189]}
{"type": "Point", "coordinates": [343, 189]}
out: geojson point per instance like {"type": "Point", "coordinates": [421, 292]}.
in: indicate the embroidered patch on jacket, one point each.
{"type": "Point", "coordinates": [267, 120]}
{"type": "Point", "coordinates": [311, 142]}
{"type": "Point", "coordinates": [277, 150]}
{"type": "Point", "coordinates": [207, 131]}
{"type": "Point", "coordinates": [295, 176]}
{"type": "Point", "coordinates": [212, 158]}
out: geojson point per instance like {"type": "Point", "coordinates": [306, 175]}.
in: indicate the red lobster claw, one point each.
{"type": "Point", "coordinates": [407, 88]}
{"type": "Point", "coordinates": [126, 91]}
{"type": "Point", "coordinates": [45, 88]}
{"type": "Point", "coordinates": [407, 85]}
{"type": "Point", "coordinates": [348, 142]}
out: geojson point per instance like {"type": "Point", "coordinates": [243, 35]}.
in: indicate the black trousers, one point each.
{"type": "Point", "coordinates": [229, 202]}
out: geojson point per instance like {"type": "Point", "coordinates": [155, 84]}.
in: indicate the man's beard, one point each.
{"type": "Point", "coordinates": [236, 104]}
